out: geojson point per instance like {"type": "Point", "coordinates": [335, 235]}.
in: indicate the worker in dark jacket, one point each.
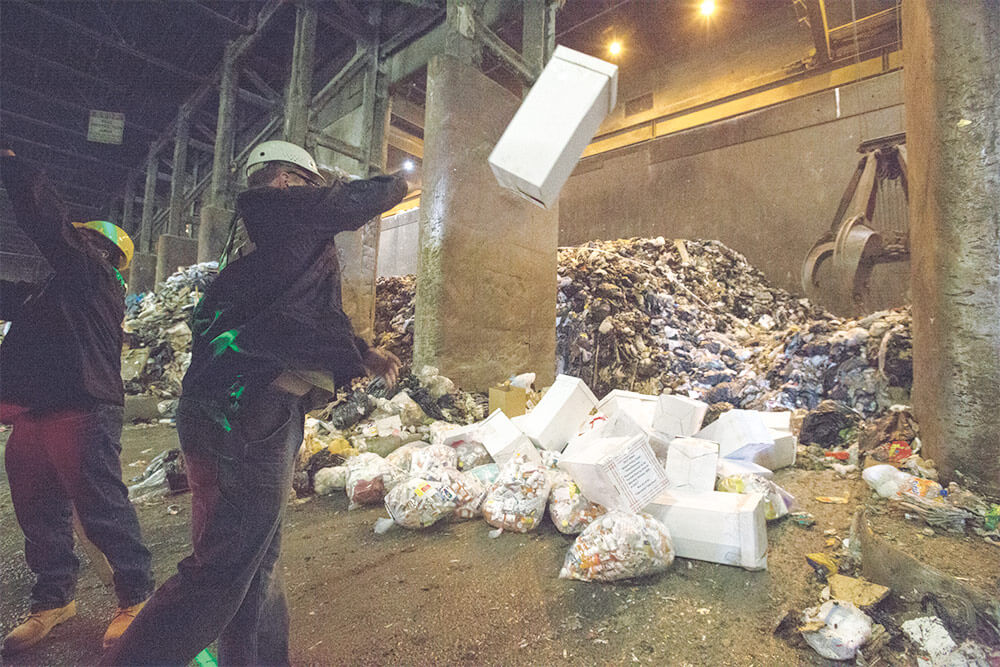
{"type": "Point", "coordinates": [271, 341]}
{"type": "Point", "coordinates": [61, 388]}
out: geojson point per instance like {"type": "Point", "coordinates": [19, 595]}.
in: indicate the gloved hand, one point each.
{"type": "Point", "coordinates": [382, 363]}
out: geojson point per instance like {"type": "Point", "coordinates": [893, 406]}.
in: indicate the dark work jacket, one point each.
{"type": "Point", "coordinates": [279, 307]}
{"type": "Point", "coordinates": [64, 344]}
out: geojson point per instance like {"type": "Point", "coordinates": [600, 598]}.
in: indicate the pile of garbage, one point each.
{"type": "Point", "coordinates": [394, 308]}
{"type": "Point", "coordinates": [157, 347]}
{"type": "Point", "coordinates": [695, 318]}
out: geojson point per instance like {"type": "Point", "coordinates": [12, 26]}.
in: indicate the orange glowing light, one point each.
{"type": "Point", "coordinates": [615, 48]}
{"type": "Point", "coordinates": [707, 7]}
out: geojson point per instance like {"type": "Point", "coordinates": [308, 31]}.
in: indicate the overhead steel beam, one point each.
{"type": "Point", "coordinates": [408, 111]}
{"type": "Point", "coordinates": [256, 100]}
{"type": "Point", "coordinates": [260, 84]}
{"type": "Point", "coordinates": [219, 19]}
{"type": "Point", "coordinates": [7, 87]}
{"type": "Point", "coordinates": [339, 145]}
{"type": "Point", "coordinates": [33, 57]}
{"type": "Point", "coordinates": [418, 29]}
{"type": "Point", "coordinates": [349, 71]}
{"type": "Point", "coordinates": [359, 32]}
{"type": "Point", "coordinates": [508, 57]}
{"type": "Point", "coordinates": [63, 151]}
{"type": "Point", "coordinates": [406, 142]}
{"type": "Point", "coordinates": [106, 41]}
{"type": "Point", "coordinates": [818, 28]}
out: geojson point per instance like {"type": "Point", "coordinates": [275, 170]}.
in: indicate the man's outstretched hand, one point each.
{"type": "Point", "coordinates": [384, 364]}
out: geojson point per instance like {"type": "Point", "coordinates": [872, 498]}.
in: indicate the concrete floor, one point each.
{"type": "Point", "coordinates": [453, 595]}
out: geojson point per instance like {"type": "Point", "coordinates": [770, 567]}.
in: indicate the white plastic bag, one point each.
{"type": "Point", "coordinates": [517, 499]}
{"type": "Point", "coordinates": [402, 456]}
{"type": "Point", "coordinates": [469, 491]}
{"type": "Point", "coordinates": [471, 454]}
{"type": "Point", "coordinates": [777, 501]}
{"type": "Point", "coordinates": [369, 478]}
{"type": "Point", "coordinates": [840, 629]}
{"type": "Point", "coordinates": [569, 509]}
{"type": "Point", "coordinates": [427, 458]}
{"type": "Point", "coordinates": [619, 545]}
{"type": "Point", "coordinates": [328, 480]}
{"type": "Point", "coordinates": [418, 503]}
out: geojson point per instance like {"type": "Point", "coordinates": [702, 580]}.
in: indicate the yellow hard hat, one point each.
{"type": "Point", "coordinates": [115, 234]}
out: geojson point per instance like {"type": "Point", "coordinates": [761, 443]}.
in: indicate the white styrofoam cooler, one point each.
{"type": "Point", "coordinates": [500, 436]}
{"type": "Point", "coordinates": [727, 528]}
{"type": "Point", "coordinates": [691, 464]}
{"type": "Point", "coordinates": [676, 416]}
{"type": "Point", "coordinates": [618, 473]}
{"type": "Point", "coordinates": [559, 116]}
{"type": "Point", "coordinates": [560, 413]}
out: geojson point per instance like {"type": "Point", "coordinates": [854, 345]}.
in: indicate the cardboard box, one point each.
{"type": "Point", "coordinates": [511, 400]}
{"type": "Point", "coordinates": [560, 114]}
{"type": "Point", "coordinates": [727, 528]}
{"type": "Point", "coordinates": [677, 415]}
{"type": "Point", "coordinates": [559, 414]}
{"type": "Point", "coordinates": [692, 464]}
{"type": "Point", "coordinates": [499, 436]}
{"type": "Point", "coordinates": [618, 473]}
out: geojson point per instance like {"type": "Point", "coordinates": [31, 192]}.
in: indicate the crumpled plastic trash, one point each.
{"type": "Point", "coordinates": [432, 456]}
{"type": "Point", "coordinates": [619, 545]}
{"type": "Point", "coordinates": [836, 629]}
{"type": "Point", "coordinates": [470, 491]}
{"type": "Point", "coordinates": [328, 480]}
{"type": "Point", "coordinates": [889, 482]}
{"type": "Point", "coordinates": [569, 509]}
{"type": "Point", "coordinates": [471, 454]}
{"type": "Point", "coordinates": [517, 499]}
{"type": "Point", "coordinates": [777, 501]}
{"type": "Point", "coordinates": [486, 473]}
{"type": "Point", "coordinates": [369, 478]}
{"type": "Point", "coordinates": [418, 503]}
{"type": "Point", "coordinates": [402, 456]}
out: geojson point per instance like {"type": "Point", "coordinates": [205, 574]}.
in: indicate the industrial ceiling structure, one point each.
{"type": "Point", "coordinates": [92, 89]}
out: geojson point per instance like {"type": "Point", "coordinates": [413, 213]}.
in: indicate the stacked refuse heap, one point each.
{"type": "Point", "coordinates": [695, 317]}
{"type": "Point", "coordinates": [157, 347]}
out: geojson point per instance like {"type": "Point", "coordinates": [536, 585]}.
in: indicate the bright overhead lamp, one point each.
{"type": "Point", "coordinates": [615, 48]}
{"type": "Point", "coordinates": [707, 7]}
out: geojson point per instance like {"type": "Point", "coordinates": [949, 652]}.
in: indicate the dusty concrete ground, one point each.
{"type": "Point", "coordinates": [453, 595]}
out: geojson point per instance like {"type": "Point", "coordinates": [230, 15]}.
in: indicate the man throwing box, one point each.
{"type": "Point", "coordinates": [271, 341]}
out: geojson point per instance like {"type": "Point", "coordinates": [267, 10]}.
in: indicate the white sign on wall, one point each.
{"type": "Point", "coordinates": [106, 127]}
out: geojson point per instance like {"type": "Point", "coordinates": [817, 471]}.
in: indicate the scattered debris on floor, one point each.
{"type": "Point", "coordinates": [711, 381]}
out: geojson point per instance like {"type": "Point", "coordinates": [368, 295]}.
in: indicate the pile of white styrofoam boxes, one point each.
{"type": "Point", "coordinates": [692, 464]}
{"type": "Point", "coordinates": [560, 114]}
{"type": "Point", "coordinates": [502, 438]}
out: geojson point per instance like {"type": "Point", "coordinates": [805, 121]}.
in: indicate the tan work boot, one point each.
{"type": "Point", "coordinates": [119, 624]}
{"type": "Point", "coordinates": [36, 627]}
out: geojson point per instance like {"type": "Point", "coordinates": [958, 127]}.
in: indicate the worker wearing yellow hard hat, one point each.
{"type": "Point", "coordinates": [62, 392]}
{"type": "Point", "coordinates": [117, 236]}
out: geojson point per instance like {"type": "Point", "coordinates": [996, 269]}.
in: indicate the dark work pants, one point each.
{"type": "Point", "coordinates": [231, 587]}
{"type": "Point", "coordinates": [58, 460]}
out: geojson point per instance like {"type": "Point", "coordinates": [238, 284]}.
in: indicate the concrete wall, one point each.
{"type": "Point", "coordinates": [399, 236]}
{"type": "Point", "coordinates": [766, 183]}
{"type": "Point", "coordinates": [173, 252]}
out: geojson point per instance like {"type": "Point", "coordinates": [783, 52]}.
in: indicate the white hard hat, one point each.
{"type": "Point", "coordinates": [281, 151]}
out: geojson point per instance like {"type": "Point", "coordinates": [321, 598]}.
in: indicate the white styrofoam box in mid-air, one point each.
{"type": "Point", "coordinates": [691, 464]}
{"type": "Point", "coordinates": [727, 528]}
{"type": "Point", "coordinates": [559, 414]}
{"type": "Point", "coordinates": [555, 122]}
{"type": "Point", "coordinates": [618, 473]}
{"type": "Point", "coordinates": [677, 415]}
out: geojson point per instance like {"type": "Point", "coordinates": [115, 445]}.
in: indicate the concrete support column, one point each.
{"type": "Point", "coordinates": [128, 205]}
{"type": "Point", "coordinates": [486, 288]}
{"type": "Point", "coordinates": [215, 217]}
{"type": "Point", "coordinates": [148, 204]}
{"type": "Point", "coordinates": [173, 252]}
{"type": "Point", "coordinates": [299, 92]}
{"type": "Point", "coordinates": [178, 179]}
{"type": "Point", "coordinates": [952, 88]}
{"type": "Point", "coordinates": [459, 41]}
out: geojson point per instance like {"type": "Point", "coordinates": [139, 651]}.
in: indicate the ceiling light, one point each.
{"type": "Point", "coordinates": [407, 165]}
{"type": "Point", "coordinates": [615, 48]}
{"type": "Point", "coordinates": [707, 7]}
